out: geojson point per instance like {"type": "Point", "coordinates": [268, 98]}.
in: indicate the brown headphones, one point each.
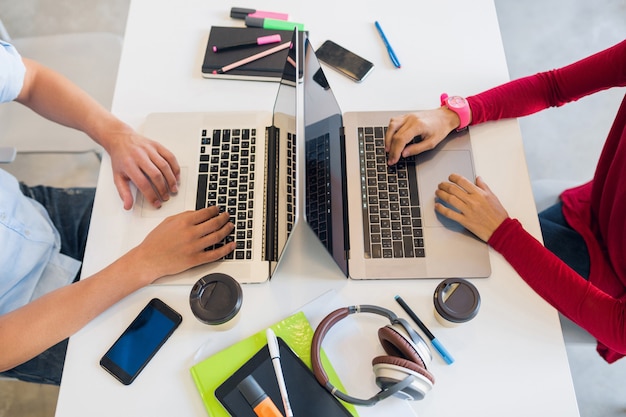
{"type": "Point", "coordinates": [401, 374]}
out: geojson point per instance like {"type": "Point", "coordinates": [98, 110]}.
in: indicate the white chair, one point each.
{"type": "Point", "coordinates": [90, 60]}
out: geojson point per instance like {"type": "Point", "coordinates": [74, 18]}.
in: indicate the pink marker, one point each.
{"type": "Point", "coordinates": [263, 40]}
{"type": "Point", "coordinates": [242, 13]}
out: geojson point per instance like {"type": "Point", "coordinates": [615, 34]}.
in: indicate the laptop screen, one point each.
{"type": "Point", "coordinates": [281, 154]}
{"type": "Point", "coordinates": [325, 204]}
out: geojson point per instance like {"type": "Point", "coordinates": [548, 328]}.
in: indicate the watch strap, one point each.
{"type": "Point", "coordinates": [462, 111]}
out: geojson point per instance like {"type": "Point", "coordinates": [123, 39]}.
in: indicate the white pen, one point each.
{"type": "Point", "coordinates": [272, 344]}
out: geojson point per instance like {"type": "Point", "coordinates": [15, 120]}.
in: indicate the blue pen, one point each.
{"type": "Point", "coordinates": [392, 54]}
{"type": "Point", "coordinates": [438, 346]}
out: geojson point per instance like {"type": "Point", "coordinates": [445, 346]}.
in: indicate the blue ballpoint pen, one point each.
{"type": "Point", "coordinates": [392, 54]}
{"type": "Point", "coordinates": [436, 344]}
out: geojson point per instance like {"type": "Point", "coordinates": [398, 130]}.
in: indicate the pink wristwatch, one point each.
{"type": "Point", "coordinates": [458, 105]}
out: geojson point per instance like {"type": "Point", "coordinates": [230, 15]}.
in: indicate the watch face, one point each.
{"type": "Point", "coordinates": [457, 102]}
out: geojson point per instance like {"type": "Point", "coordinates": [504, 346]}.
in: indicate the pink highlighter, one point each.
{"type": "Point", "coordinates": [242, 13]}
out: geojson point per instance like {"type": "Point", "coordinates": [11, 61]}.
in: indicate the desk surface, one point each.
{"type": "Point", "coordinates": [511, 358]}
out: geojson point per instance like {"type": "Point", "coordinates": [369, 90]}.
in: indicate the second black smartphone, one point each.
{"type": "Point", "coordinates": [132, 351]}
{"type": "Point", "coordinates": [344, 61]}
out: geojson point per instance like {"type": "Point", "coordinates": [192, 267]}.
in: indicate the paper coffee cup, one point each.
{"type": "Point", "coordinates": [456, 301]}
{"type": "Point", "coordinates": [216, 300]}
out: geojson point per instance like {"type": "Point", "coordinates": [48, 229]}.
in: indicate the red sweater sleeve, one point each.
{"type": "Point", "coordinates": [553, 88]}
{"type": "Point", "coordinates": [600, 314]}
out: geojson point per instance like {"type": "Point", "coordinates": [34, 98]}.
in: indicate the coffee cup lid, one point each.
{"type": "Point", "coordinates": [215, 298]}
{"type": "Point", "coordinates": [457, 300]}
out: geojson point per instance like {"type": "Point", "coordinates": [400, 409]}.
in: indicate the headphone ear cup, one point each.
{"type": "Point", "coordinates": [396, 344]}
{"type": "Point", "coordinates": [390, 370]}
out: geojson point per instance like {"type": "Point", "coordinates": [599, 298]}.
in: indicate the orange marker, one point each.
{"type": "Point", "coordinates": [262, 405]}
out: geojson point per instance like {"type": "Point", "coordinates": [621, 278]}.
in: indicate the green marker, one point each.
{"type": "Point", "coordinates": [273, 24]}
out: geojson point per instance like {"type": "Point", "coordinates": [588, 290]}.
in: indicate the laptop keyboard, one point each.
{"type": "Point", "coordinates": [226, 179]}
{"type": "Point", "coordinates": [318, 187]}
{"type": "Point", "coordinates": [392, 220]}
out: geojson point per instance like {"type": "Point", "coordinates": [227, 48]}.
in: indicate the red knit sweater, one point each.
{"type": "Point", "coordinates": [596, 210]}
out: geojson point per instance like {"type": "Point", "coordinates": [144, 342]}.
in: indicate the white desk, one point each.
{"type": "Point", "coordinates": [509, 360]}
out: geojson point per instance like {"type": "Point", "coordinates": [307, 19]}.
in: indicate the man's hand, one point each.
{"type": "Point", "coordinates": [148, 164]}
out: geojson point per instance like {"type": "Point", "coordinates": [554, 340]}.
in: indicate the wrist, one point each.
{"type": "Point", "coordinates": [107, 132]}
{"type": "Point", "coordinates": [450, 119]}
{"type": "Point", "coordinates": [139, 267]}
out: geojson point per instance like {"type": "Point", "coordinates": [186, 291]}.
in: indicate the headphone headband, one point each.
{"type": "Point", "coordinates": [334, 317]}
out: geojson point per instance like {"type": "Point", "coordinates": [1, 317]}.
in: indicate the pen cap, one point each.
{"type": "Point", "coordinates": [260, 402]}
{"type": "Point", "coordinates": [216, 300]}
{"type": "Point", "coordinates": [240, 12]}
{"type": "Point", "coordinates": [456, 301]}
{"type": "Point", "coordinates": [254, 22]}
{"type": "Point", "coordinates": [251, 391]}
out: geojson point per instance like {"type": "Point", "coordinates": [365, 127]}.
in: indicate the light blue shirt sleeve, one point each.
{"type": "Point", "coordinates": [12, 72]}
{"type": "Point", "coordinates": [30, 260]}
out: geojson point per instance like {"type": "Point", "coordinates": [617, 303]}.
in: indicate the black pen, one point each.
{"type": "Point", "coordinates": [438, 346]}
{"type": "Point", "coordinates": [263, 40]}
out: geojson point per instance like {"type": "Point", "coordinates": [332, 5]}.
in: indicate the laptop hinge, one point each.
{"type": "Point", "coordinates": [271, 193]}
{"type": "Point", "coordinates": [344, 179]}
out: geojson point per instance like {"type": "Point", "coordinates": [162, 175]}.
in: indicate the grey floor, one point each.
{"type": "Point", "coordinates": [560, 143]}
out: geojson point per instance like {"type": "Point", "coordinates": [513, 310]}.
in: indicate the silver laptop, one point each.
{"type": "Point", "coordinates": [243, 162]}
{"type": "Point", "coordinates": [379, 222]}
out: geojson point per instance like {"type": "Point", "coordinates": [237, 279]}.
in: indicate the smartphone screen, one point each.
{"type": "Point", "coordinates": [140, 341]}
{"type": "Point", "coordinates": [344, 61]}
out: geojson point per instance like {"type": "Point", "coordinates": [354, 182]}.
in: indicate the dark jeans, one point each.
{"type": "Point", "coordinates": [564, 241]}
{"type": "Point", "coordinates": [70, 211]}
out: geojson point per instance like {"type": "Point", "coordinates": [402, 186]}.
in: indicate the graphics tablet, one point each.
{"type": "Point", "coordinates": [306, 396]}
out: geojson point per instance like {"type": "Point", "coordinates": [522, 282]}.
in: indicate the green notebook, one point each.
{"type": "Point", "coordinates": [295, 330]}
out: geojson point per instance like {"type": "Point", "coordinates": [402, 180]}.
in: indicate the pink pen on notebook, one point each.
{"type": "Point", "coordinates": [253, 58]}
{"type": "Point", "coordinates": [263, 40]}
{"type": "Point", "coordinates": [242, 13]}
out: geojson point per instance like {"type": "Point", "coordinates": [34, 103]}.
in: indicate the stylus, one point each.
{"type": "Point", "coordinates": [438, 346]}
{"type": "Point", "coordinates": [252, 58]}
{"type": "Point", "coordinates": [262, 40]}
{"type": "Point", "coordinates": [272, 343]}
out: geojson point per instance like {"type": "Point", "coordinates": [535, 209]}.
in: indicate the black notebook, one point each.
{"type": "Point", "coordinates": [269, 68]}
{"type": "Point", "coordinates": [306, 396]}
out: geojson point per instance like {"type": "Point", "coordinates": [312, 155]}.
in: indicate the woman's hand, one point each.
{"type": "Point", "coordinates": [431, 125]}
{"type": "Point", "coordinates": [475, 206]}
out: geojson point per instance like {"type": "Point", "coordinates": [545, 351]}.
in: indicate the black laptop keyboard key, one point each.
{"type": "Point", "coordinates": [202, 191]}
{"type": "Point", "coordinates": [228, 183]}
{"type": "Point", "coordinates": [392, 224]}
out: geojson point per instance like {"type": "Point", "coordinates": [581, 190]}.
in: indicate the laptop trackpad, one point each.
{"type": "Point", "coordinates": [175, 205]}
{"type": "Point", "coordinates": [432, 169]}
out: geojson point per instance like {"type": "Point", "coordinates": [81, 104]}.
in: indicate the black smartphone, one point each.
{"type": "Point", "coordinates": [344, 61]}
{"type": "Point", "coordinates": [132, 351]}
